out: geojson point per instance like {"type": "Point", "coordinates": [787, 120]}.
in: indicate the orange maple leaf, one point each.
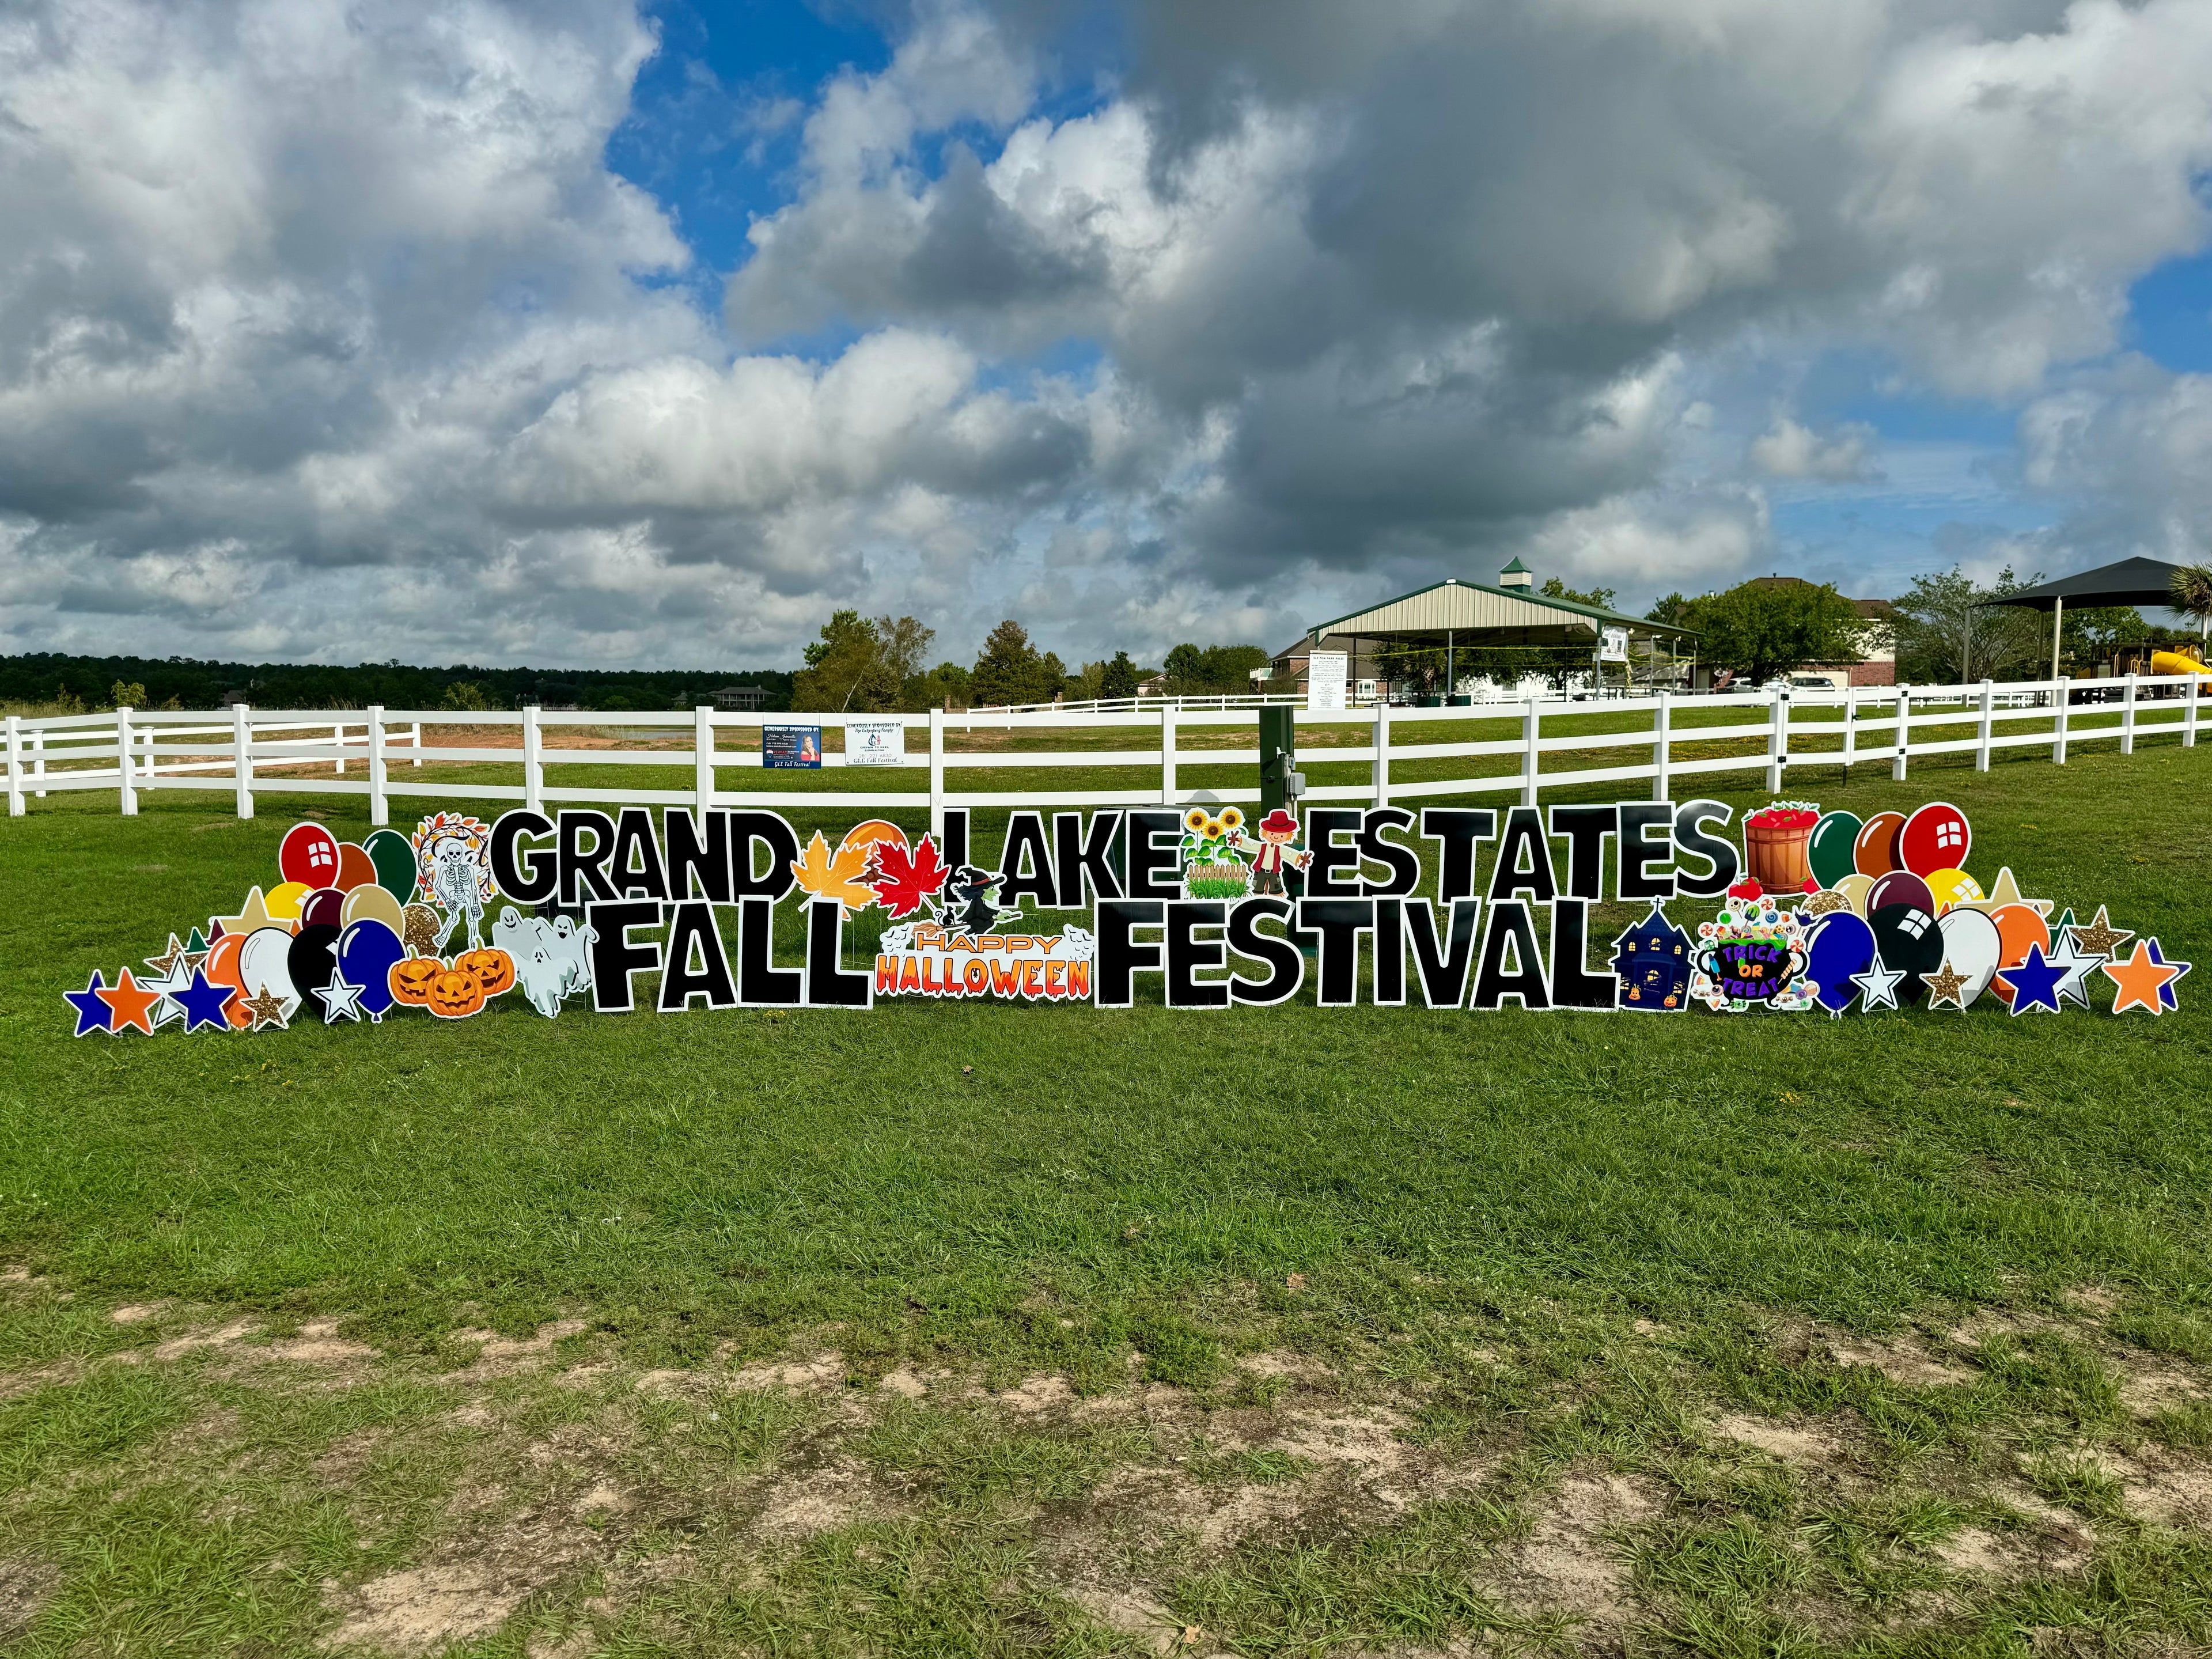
{"type": "Point", "coordinates": [902, 880]}
{"type": "Point", "coordinates": [835, 876]}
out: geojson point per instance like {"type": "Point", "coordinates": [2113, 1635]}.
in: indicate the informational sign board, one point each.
{"type": "Point", "coordinates": [1325, 676]}
{"type": "Point", "coordinates": [1612, 645]}
{"type": "Point", "coordinates": [875, 743]}
{"type": "Point", "coordinates": [783, 746]}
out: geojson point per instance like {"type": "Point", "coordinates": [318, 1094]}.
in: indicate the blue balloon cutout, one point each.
{"type": "Point", "coordinates": [1842, 946]}
{"type": "Point", "coordinates": [366, 951]}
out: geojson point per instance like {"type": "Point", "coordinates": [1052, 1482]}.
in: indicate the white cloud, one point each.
{"type": "Point", "coordinates": [1787, 450]}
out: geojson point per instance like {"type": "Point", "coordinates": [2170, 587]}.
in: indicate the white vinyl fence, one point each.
{"type": "Point", "coordinates": [1669, 739]}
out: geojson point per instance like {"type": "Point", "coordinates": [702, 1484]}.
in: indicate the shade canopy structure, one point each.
{"type": "Point", "coordinates": [2132, 581]}
{"type": "Point", "coordinates": [1454, 615]}
{"type": "Point", "coordinates": [2138, 581]}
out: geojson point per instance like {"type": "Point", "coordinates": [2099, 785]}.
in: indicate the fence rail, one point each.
{"type": "Point", "coordinates": [386, 754]}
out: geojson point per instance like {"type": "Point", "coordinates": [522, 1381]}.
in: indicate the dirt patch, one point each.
{"type": "Point", "coordinates": [27, 1584]}
{"type": "Point", "coordinates": [422, 1607]}
{"type": "Point", "coordinates": [2168, 1492]}
{"type": "Point", "coordinates": [1034, 1395]}
{"type": "Point", "coordinates": [135, 1313]}
{"type": "Point", "coordinates": [822, 1371]}
{"type": "Point", "coordinates": [1900, 1358]}
{"type": "Point", "coordinates": [507, 1356]}
{"type": "Point", "coordinates": [2146, 1394]}
{"type": "Point", "coordinates": [901, 1384]}
{"type": "Point", "coordinates": [820, 1499]}
{"type": "Point", "coordinates": [1131, 1613]}
{"type": "Point", "coordinates": [1571, 1561]}
{"type": "Point", "coordinates": [221, 1337]}
{"type": "Point", "coordinates": [319, 1344]}
{"type": "Point", "coordinates": [2094, 1300]}
{"type": "Point", "coordinates": [1792, 1442]}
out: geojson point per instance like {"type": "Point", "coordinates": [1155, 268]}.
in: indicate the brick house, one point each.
{"type": "Point", "coordinates": [1878, 655]}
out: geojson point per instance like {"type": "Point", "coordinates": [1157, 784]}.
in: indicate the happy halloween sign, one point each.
{"type": "Point", "coordinates": [624, 910]}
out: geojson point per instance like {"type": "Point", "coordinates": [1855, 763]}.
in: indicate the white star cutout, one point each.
{"type": "Point", "coordinates": [1879, 986]}
{"type": "Point", "coordinates": [340, 1000]}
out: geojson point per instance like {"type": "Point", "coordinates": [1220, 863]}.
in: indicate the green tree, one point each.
{"type": "Point", "coordinates": [1008, 670]}
{"type": "Point", "coordinates": [862, 666]}
{"type": "Point", "coordinates": [1670, 610]}
{"type": "Point", "coordinates": [1763, 629]}
{"type": "Point", "coordinates": [1553, 588]}
{"type": "Point", "coordinates": [1947, 636]}
{"type": "Point", "coordinates": [1120, 679]}
{"type": "Point", "coordinates": [467, 695]}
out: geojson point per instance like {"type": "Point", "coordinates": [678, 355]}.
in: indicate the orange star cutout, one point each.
{"type": "Point", "coordinates": [130, 1007]}
{"type": "Point", "coordinates": [2139, 980]}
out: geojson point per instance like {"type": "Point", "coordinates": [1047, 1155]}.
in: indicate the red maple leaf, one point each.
{"type": "Point", "coordinates": [902, 880]}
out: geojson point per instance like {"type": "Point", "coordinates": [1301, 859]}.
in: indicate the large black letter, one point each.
{"type": "Point", "coordinates": [760, 983]}
{"type": "Point", "coordinates": [1025, 834]}
{"type": "Point", "coordinates": [1443, 973]}
{"type": "Point", "coordinates": [769, 830]}
{"type": "Point", "coordinates": [1458, 830]}
{"type": "Point", "coordinates": [1573, 986]}
{"type": "Point", "coordinates": [1085, 857]}
{"type": "Point", "coordinates": [1339, 922]}
{"type": "Point", "coordinates": [1286, 963]}
{"type": "Point", "coordinates": [1509, 925]}
{"type": "Point", "coordinates": [1524, 829]}
{"type": "Point", "coordinates": [1187, 954]}
{"type": "Point", "coordinates": [577, 860]}
{"type": "Point", "coordinates": [1638, 853]}
{"type": "Point", "coordinates": [1147, 858]}
{"type": "Point", "coordinates": [691, 927]}
{"type": "Point", "coordinates": [1402, 862]}
{"type": "Point", "coordinates": [698, 859]}
{"type": "Point", "coordinates": [1120, 956]}
{"type": "Point", "coordinates": [1690, 837]}
{"type": "Point", "coordinates": [635, 863]}
{"type": "Point", "coordinates": [523, 879]}
{"type": "Point", "coordinates": [1585, 829]}
{"type": "Point", "coordinates": [614, 958]}
{"type": "Point", "coordinates": [1323, 826]}
{"type": "Point", "coordinates": [828, 984]}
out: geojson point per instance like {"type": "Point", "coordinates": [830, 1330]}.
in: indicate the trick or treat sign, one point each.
{"type": "Point", "coordinates": [1639, 906]}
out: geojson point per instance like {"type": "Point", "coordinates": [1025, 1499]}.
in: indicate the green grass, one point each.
{"type": "Point", "coordinates": [1459, 1218]}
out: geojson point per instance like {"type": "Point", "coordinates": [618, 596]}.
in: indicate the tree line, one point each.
{"type": "Point", "coordinates": [864, 664]}
{"type": "Point", "coordinates": [76, 683]}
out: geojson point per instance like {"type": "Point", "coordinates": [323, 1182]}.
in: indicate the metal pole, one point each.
{"type": "Point", "coordinates": [703, 758]}
{"type": "Point", "coordinates": [1850, 727]}
{"type": "Point", "coordinates": [937, 775]}
{"type": "Point", "coordinates": [15, 808]}
{"type": "Point", "coordinates": [2057, 629]}
{"type": "Point", "coordinates": [2065, 695]}
{"type": "Point", "coordinates": [123, 780]}
{"type": "Point", "coordinates": [1778, 740]}
{"type": "Point", "coordinates": [1381, 752]}
{"type": "Point", "coordinates": [1169, 789]}
{"type": "Point", "coordinates": [533, 767]}
{"type": "Point", "coordinates": [1662, 745]}
{"type": "Point", "coordinates": [1532, 751]}
{"type": "Point", "coordinates": [1982, 747]}
{"type": "Point", "coordinates": [1897, 759]}
{"type": "Point", "coordinates": [2128, 718]}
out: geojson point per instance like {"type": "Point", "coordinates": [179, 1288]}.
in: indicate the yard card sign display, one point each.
{"type": "Point", "coordinates": [1200, 906]}
{"type": "Point", "coordinates": [783, 747]}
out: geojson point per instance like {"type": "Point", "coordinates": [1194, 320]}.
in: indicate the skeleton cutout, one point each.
{"type": "Point", "coordinates": [452, 859]}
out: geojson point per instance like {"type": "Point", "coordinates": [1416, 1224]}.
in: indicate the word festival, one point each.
{"type": "Point", "coordinates": [1194, 906]}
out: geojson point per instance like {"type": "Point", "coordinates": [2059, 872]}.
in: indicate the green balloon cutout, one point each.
{"type": "Point", "coordinates": [393, 855]}
{"type": "Point", "coordinates": [1830, 850]}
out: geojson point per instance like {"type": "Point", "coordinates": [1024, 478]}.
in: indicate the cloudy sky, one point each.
{"type": "Point", "coordinates": [573, 332]}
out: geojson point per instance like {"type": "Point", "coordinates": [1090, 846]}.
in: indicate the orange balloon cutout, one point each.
{"type": "Point", "coordinates": [1874, 852]}
{"type": "Point", "coordinates": [2018, 927]}
{"type": "Point", "coordinates": [355, 867]}
{"type": "Point", "coordinates": [221, 968]}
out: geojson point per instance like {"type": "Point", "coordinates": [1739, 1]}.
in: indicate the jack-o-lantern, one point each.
{"type": "Point", "coordinates": [454, 994]}
{"type": "Point", "coordinates": [411, 979]}
{"type": "Point", "coordinates": [493, 969]}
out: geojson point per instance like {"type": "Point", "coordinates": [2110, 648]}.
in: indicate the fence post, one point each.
{"type": "Point", "coordinates": [2188, 714]}
{"type": "Point", "coordinates": [1382, 753]}
{"type": "Point", "coordinates": [1851, 728]}
{"type": "Point", "coordinates": [1532, 749]}
{"type": "Point", "coordinates": [1897, 759]}
{"type": "Point", "coordinates": [2128, 718]}
{"type": "Point", "coordinates": [126, 783]}
{"type": "Point", "coordinates": [1662, 745]}
{"type": "Point", "coordinates": [1778, 740]}
{"type": "Point", "coordinates": [937, 774]}
{"type": "Point", "coordinates": [417, 741]}
{"type": "Point", "coordinates": [1169, 789]}
{"type": "Point", "coordinates": [16, 766]}
{"type": "Point", "coordinates": [338, 743]}
{"type": "Point", "coordinates": [702, 758]}
{"type": "Point", "coordinates": [1981, 748]}
{"type": "Point", "coordinates": [39, 763]}
{"type": "Point", "coordinates": [533, 767]}
{"type": "Point", "coordinates": [241, 757]}
{"type": "Point", "coordinates": [380, 806]}
{"type": "Point", "coordinates": [2062, 698]}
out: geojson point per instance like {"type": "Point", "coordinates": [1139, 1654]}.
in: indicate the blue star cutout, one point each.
{"type": "Point", "coordinates": [2166, 991]}
{"type": "Point", "coordinates": [92, 1013]}
{"type": "Point", "coordinates": [203, 1004]}
{"type": "Point", "coordinates": [2035, 983]}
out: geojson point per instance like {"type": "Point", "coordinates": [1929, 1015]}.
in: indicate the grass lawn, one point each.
{"type": "Point", "coordinates": [970, 1330]}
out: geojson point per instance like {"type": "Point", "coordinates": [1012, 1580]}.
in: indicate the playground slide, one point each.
{"type": "Point", "coordinates": [2173, 662]}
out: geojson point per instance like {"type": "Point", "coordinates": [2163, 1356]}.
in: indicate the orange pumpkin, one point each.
{"type": "Point", "coordinates": [411, 979]}
{"type": "Point", "coordinates": [455, 994]}
{"type": "Point", "coordinates": [494, 969]}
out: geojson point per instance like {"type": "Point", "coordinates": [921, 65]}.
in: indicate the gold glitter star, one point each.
{"type": "Point", "coordinates": [267, 1009]}
{"type": "Point", "coordinates": [1946, 986]}
{"type": "Point", "coordinates": [166, 962]}
{"type": "Point", "coordinates": [2100, 937]}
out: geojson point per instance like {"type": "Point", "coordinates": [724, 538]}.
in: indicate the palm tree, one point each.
{"type": "Point", "coordinates": [2192, 594]}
